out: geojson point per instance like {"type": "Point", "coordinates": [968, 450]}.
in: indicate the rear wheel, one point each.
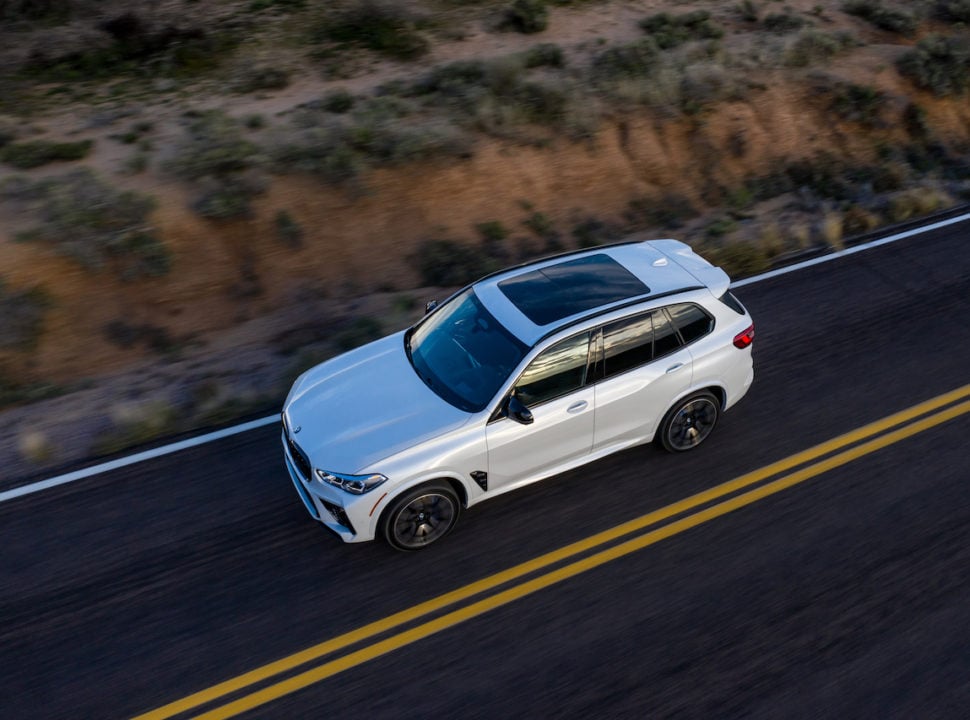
{"type": "Point", "coordinates": [420, 516]}
{"type": "Point", "coordinates": [689, 422]}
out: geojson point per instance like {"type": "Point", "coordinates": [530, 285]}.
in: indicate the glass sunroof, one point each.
{"type": "Point", "coordinates": [567, 288]}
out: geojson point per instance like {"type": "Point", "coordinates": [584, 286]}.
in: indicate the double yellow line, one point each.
{"type": "Point", "coordinates": [829, 455]}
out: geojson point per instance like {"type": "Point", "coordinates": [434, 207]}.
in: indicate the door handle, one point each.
{"type": "Point", "coordinates": [675, 367]}
{"type": "Point", "coordinates": [577, 406]}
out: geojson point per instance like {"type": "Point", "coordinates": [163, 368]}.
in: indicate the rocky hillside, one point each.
{"type": "Point", "coordinates": [200, 198]}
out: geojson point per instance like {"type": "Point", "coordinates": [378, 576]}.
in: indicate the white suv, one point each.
{"type": "Point", "coordinates": [524, 374]}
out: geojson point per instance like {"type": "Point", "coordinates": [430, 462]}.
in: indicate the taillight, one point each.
{"type": "Point", "coordinates": [743, 339]}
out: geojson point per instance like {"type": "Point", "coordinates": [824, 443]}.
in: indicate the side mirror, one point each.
{"type": "Point", "coordinates": [518, 411]}
{"type": "Point", "coordinates": [430, 306]}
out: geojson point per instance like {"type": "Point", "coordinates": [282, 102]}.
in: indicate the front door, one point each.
{"type": "Point", "coordinates": [554, 389]}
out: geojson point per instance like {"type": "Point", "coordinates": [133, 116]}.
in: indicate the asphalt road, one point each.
{"type": "Point", "coordinates": [847, 595]}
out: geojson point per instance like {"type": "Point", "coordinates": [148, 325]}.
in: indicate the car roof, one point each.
{"type": "Point", "coordinates": [538, 298]}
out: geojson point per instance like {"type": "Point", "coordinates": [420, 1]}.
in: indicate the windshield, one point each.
{"type": "Point", "coordinates": [463, 353]}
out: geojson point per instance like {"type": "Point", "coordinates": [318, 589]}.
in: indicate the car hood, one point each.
{"type": "Point", "coordinates": [363, 406]}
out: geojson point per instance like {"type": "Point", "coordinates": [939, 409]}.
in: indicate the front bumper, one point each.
{"type": "Point", "coordinates": [350, 516]}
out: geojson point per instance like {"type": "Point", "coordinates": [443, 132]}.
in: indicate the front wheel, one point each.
{"type": "Point", "coordinates": [689, 422]}
{"type": "Point", "coordinates": [420, 516]}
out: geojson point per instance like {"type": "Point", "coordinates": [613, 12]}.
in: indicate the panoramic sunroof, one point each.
{"type": "Point", "coordinates": [558, 291]}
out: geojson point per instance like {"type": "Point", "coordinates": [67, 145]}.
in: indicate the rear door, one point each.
{"type": "Point", "coordinates": [644, 368]}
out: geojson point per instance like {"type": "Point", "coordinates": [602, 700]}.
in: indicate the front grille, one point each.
{"type": "Point", "coordinates": [300, 459]}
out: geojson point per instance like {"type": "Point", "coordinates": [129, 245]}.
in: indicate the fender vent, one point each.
{"type": "Point", "coordinates": [480, 477]}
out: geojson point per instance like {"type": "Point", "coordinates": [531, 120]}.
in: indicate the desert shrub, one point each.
{"type": "Point", "coordinates": [669, 31]}
{"type": "Point", "coordinates": [450, 78]}
{"type": "Point", "coordinates": [884, 18]}
{"type": "Point", "coordinates": [636, 59]}
{"type": "Point", "coordinates": [127, 335]}
{"type": "Point", "coordinates": [525, 16]}
{"type": "Point", "coordinates": [384, 27]}
{"type": "Point", "coordinates": [544, 55]}
{"type": "Point", "coordinates": [720, 227]}
{"type": "Point", "coordinates": [914, 121]}
{"type": "Point", "coordinates": [494, 235]}
{"type": "Point", "coordinates": [669, 210]}
{"type": "Point", "coordinates": [90, 222]}
{"type": "Point", "coordinates": [747, 11]}
{"type": "Point", "coordinates": [214, 145]}
{"type": "Point", "coordinates": [255, 79]}
{"type": "Point", "coordinates": [498, 96]}
{"type": "Point", "coordinates": [811, 46]}
{"type": "Point", "coordinates": [338, 101]}
{"type": "Point", "coordinates": [387, 143]}
{"type": "Point", "coordinates": [448, 263]}
{"type": "Point", "coordinates": [138, 423]}
{"type": "Point", "coordinates": [953, 10]}
{"type": "Point", "coordinates": [281, 5]}
{"type": "Point", "coordinates": [322, 151]}
{"type": "Point", "coordinates": [48, 11]}
{"type": "Point", "coordinates": [222, 197]}
{"type": "Point", "coordinates": [135, 47]}
{"type": "Point", "coordinates": [16, 392]}
{"type": "Point", "coordinates": [216, 156]}
{"type": "Point", "coordinates": [938, 63]}
{"type": "Point", "coordinates": [136, 164]}
{"type": "Point", "coordinates": [833, 177]}
{"type": "Point", "coordinates": [739, 259]}
{"type": "Point", "coordinates": [915, 202]}
{"type": "Point", "coordinates": [339, 150]}
{"type": "Point", "coordinates": [360, 332]}
{"type": "Point", "coordinates": [784, 22]}
{"type": "Point", "coordinates": [857, 219]}
{"type": "Point", "coordinates": [21, 317]}
{"type": "Point", "coordinates": [858, 103]}
{"type": "Point", "coordinates": [823, 174]}
{"type": "Point", "coordinates": [705, 84]}
{"type": "Point", "coordinates": [34, 153]}
{"type": "Point", "coordinates": [543, 228]}
{"type": "Point", "coordinates": [288, 230]}
{"type": "Point", "coordinates": [592, 232]}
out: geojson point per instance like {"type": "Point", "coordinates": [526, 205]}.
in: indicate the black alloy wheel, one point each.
{"type": "Point", "coordinates": [689, 422]}
{"type": "Point", "coordinates": [421, 516]}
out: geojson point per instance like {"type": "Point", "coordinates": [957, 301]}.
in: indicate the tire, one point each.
{"type": "Point", "coordinates": [420, 516]}
{"type": "Point", "coordinates": [689, 423]}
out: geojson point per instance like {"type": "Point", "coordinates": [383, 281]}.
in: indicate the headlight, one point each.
{"type": "Point", "coordinates": [356, 484]}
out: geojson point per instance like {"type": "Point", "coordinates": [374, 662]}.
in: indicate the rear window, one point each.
{"type": "Point", "coordinates": [691, 321]}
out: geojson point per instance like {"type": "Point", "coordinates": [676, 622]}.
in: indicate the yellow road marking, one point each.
{"type": "Point", "coordinates": [417, 611]}
{"type": "Point", "coordinates": [480, 607]}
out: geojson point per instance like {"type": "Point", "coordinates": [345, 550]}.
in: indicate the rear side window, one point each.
{"type": "Point", "coordinates": [633, 342]}
{"type": "Point", "coordinates": [627, 344]}
{"type": "Point", "coordinates": [732, 302]}
{"type": "Point", "coordinates": [691, 321]}
{"type": "Point", "coordinates": [665, 338]}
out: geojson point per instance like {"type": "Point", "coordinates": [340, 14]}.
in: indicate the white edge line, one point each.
{"type": "Point", "coordinates": [850, 251]}
{"type": "Point", "coordinates": [137, 458]}
{"type": "Point", "coordinates": [262, 422]}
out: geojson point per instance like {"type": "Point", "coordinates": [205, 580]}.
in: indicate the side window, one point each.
{"type": "Point", "coordinates": [691, 321]}
{"type": "Point", "coordinates": [665, 339]}
{"type": "Point", "coordinates": [556, 371]}
{"type": "Point", "coordinates": [628, 344]}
